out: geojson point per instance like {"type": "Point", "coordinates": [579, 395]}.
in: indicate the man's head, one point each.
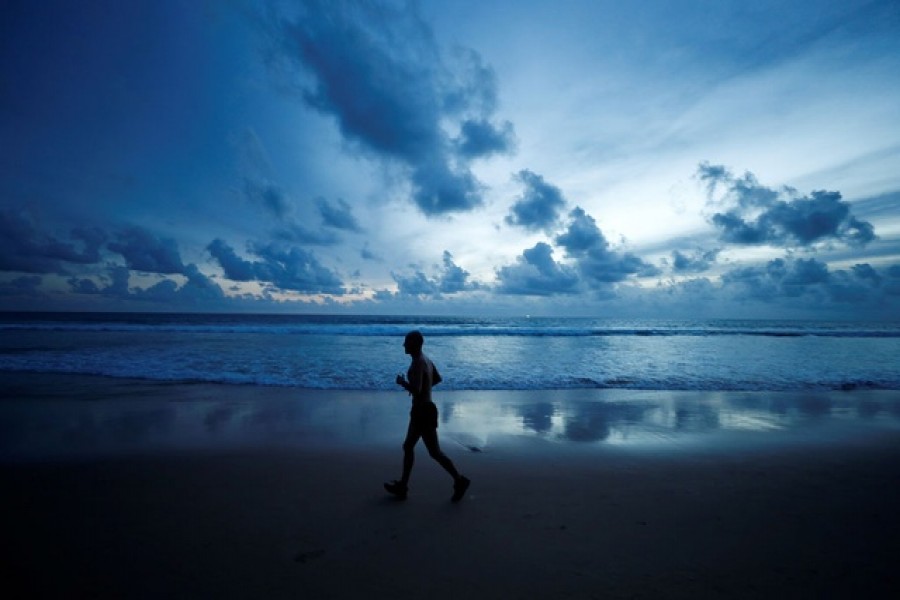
{"type": "Point", "coordinates": [413, 342]}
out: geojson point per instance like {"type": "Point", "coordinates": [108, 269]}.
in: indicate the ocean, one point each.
{"type": "Point", "coordinates": [525, 353]}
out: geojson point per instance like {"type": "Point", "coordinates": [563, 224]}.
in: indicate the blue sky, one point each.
{"type": "Point", "coordinates": [665, 159]}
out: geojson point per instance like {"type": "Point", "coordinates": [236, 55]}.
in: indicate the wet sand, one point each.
{"type": "Point", "coordinates": [807, 511]}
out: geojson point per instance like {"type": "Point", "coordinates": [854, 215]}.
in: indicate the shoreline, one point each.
{"type": "Point", "coordinates": [65, 417]}
{"type": "Point", "coordinates": [604, 496]}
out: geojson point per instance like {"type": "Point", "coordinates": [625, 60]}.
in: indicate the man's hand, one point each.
{"type": "Point", "coordinates": [401, 381]}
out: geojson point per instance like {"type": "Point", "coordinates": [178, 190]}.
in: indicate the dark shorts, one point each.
{"type": "Point", "coordinates": [424, 416]}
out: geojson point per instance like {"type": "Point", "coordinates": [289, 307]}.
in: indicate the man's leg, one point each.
{"type": "Point", "coordinates": [460, 483]}
{"type": "Point", "coordinates": [409, 455]}
{"type": "Point", "coordinates": [430, 438]}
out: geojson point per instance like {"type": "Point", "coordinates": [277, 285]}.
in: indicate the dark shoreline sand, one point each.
{"type": "Point", "coordinates": [774, 515]}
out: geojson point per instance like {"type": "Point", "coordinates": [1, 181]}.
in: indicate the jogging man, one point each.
{"type": "Point", "coordinates": [423, 419]}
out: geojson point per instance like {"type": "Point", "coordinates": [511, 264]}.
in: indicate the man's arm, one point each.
{"type": "Point", "coordinates": [401, 381]}
{"type": "Point", "coordinates": [416, 378]}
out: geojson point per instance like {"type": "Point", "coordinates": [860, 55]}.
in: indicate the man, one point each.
{"type": "Point", "coordinates": [423, 419]}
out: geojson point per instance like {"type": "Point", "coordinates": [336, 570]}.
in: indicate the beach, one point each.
{"type": "Point", "coordinates": [127, 503]}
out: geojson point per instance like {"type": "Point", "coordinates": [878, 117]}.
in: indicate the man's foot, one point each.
{"type": "Point", "coordinates": [459, 488]}
{"type": "Point", "coordinates": [397, 488]}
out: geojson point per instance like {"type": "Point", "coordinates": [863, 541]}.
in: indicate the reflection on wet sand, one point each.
{"type": "Point", "coordinates": [640, 417]}
{"type": "Point", "coordinates": [146, 417]}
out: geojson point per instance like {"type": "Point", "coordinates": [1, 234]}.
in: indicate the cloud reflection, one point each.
{"type": "Point", "coordinates": [35, 428]}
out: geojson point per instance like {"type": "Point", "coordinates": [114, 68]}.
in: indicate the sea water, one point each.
{"type": "Point", "coordinates": [366, 353]}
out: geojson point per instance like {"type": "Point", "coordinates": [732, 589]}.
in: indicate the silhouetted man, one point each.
{"type": "Point", "coordinates": [423, 419]}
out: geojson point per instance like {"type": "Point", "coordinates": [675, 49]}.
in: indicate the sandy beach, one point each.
{"type": "Point", "coordinates": [126, 503]}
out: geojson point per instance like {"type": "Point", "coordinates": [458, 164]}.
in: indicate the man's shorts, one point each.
{"type": "Point", "coordinates": [424, 416]}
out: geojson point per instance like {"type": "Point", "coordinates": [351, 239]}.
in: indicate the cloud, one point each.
{"type": "Point", "coordinates": [762, 215]}
{"type": "Point", "coordinates": [697, 262]}
{"type": "Point", "coordinates": [813, 281]}
{"type": "Point", "coordinates": [198, 290]}
{"type": "Point", "coordinates": [451, 279]}
{"type": "Point", "coordinates": [338, 215]}
{"type": "Point", "coordinates": [145, 252]}
{"type": "Point", "coordinates": [25, 249]}
{"type": "Point", "coordinates": [537, 274]}
{"type": "Point", "coordinates": [367, 254]}
{"type": "Point", "coordinates": [417, 284]}
{"type": "Point", "coordinates": [479, 138]}
{"type": "Point", "coordinates": [235, 268]}
{"type": "Point", "coordinates": [267, 195]}
{"type": "Point", "coordinates": [27, 285]}
{"type": "Point", "coordinates": [83, 286]}
{"type": "Point", "coordinates": [291, 268]}
{"type": "Point", "coordinates": [377, 70]}
{"type": "Point", "coordinates": [598, 264]}
{"type": "Point", "coordinates": [298, 234]}
{"type": "Point", "coordinates": [539, 205]}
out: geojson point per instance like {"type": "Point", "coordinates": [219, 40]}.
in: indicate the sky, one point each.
{"type": "Point", "coordinates": [660, 159]}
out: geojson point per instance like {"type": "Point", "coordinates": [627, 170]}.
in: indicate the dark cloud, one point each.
{"type": "Point", "coordinates": [235, 268]}
{"type": "Point", "coordinates": [25, 249]}
{"type": "Point", "coordinates": [290, 268]}
{"type": "Point", "coordinates": [338, 215]}
{"type": "Point", "coordinates": [118, 286]}
{"type": "Point", "coordinates": [24, 286]}
{"type": "Point", "coordinates": [271, 198]}
{"type": "Point", "coordinates": [298, 234]}
{"type": "Point", "coordinates": [197, 291]}
{"type": "Point", "coordinates": [582, 234]}
{"type": "Point", "coordinates": [143, 251]}
{"type": "Point", "coordinates": [697, 262]}
{"type": "Point", "coordinates": [539, 205]}
{"type": "Point", "coordinates": [83, 286]}
{"type": "Point", "coordinates": [378, 71]}
{"type": "Point", "coordinates": [451, 279]}
{"type": "Point", "coordinates": [537, 274]}
{"type": "Point", "coordinates": [417, 284]}
{"type": "Point", "coordinates": [761, 215]}
{"type": "Point", "coordinates": [267, 195]}
{"type": "Point", "coordinates": [596, 261]}
{"type": "Point", "coordinates": [811, 280]}
{"type": "Point", "coordinates": [481, 138]}
{"type": "Point", "coordinates": [367, 254]}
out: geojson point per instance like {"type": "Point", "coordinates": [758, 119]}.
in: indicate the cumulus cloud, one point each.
{"type": "Point", "coordinates": [298, 234]}
{"type": "Point", "coordinates": [290, 268]}
{"type": "Point", "coordinates": [417, 284]}
{"type": "Point", "coordinates": [762, 215]}
{"type": "Point", "coordinates": [25, 249]}
{"type": "Point", "coordinates": [479, 138]}
{"type": "Point", "coordinates": [378, 71]}
{"type": "Point", "coordinates": [450, 279]}
{"type": "Point", "coordinates": [812, 280]}
{"type": "Point", "coordinates": [539, 205]}
{"type": "Point", "coordinates": [235, 267]}
{"type": "Point", "coordinates": [453, 277]}
{"type": "Point", "coordinates": [26, 285]}
{"type": "Point", "coordinates": [596, 261]}
{"type": "Point", "coordinates": [268, 196]}
{"type": "Point", "coordinates": [275, 202]}
{"type": "Point", "coordinates": [696, 262]}
{"type": "Point", "coordinates": [143, 251]}
{"type": "Point", "coordinates": [338, 215]}
{"type": "Point", "coordinates": [366, 254]}
{"type": "Point", "coordinates": [197, 291]}
{"type": "Point", "coordinates": [536, 273]}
